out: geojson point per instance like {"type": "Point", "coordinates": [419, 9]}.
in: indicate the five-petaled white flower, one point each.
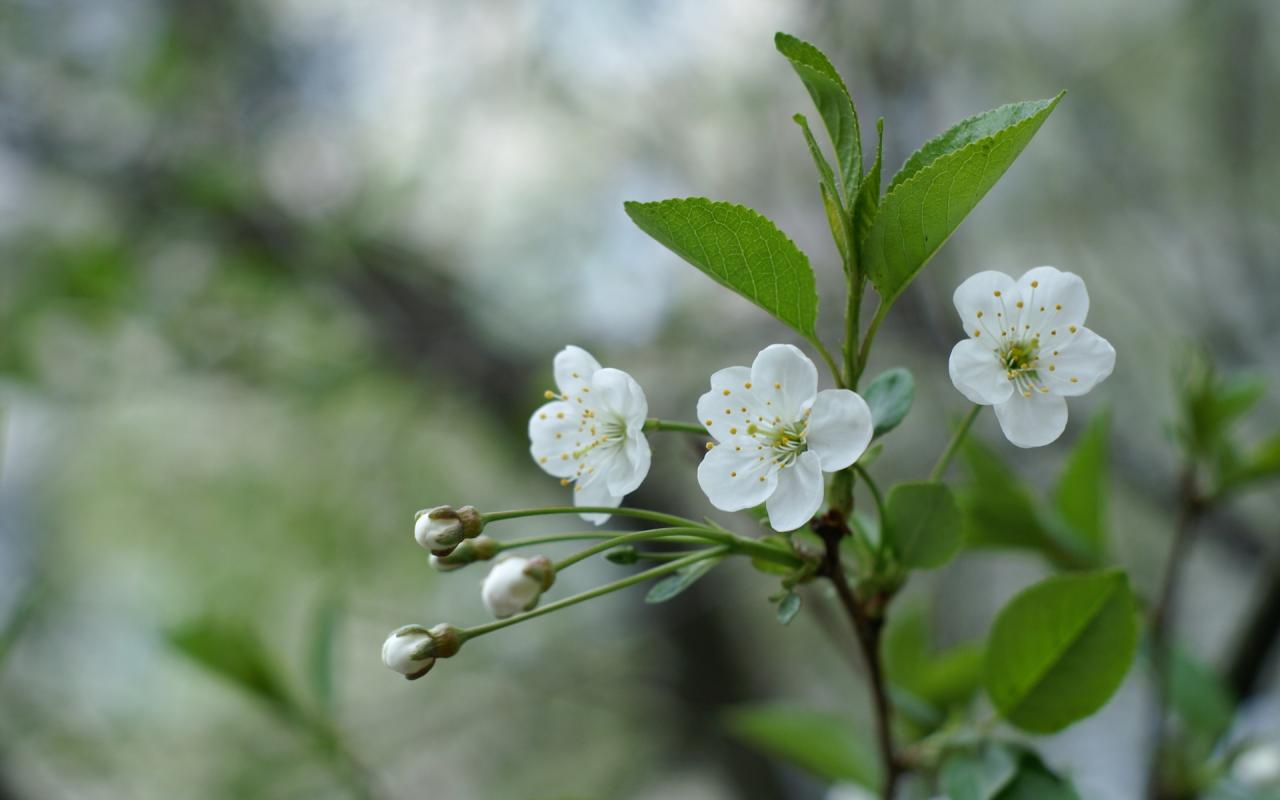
{"type": "Point", "coordinates": [1027, 350]}
{"type": "Point", "coordinates": [592, 432]}
{"type": "Point", "coordinates": [776, 434]}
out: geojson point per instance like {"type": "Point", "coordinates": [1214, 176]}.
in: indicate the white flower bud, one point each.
{"type": "Point", "coordinates": [399, 649]}
{"type": "Point", "coordinates": [515, 584]}
{"type": "Point", "coordinates": [412, 650]}
{"type": "Point", "coordinates": [481, 548]}
{"type": "Point", "coordinates": [1259, 766]}
{"type": "Point", "coordinates": [442, 528]}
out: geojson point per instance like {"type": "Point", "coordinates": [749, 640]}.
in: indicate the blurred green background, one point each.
{"type": "Point", "coordinates": [274, 274]}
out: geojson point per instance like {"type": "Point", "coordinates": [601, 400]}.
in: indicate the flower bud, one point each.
{"type": "Point", "coordinates": [515, 584]}
{"type": "Point", "coordinates": [481, 548]}
{"type": "Point", "coordinates": [1259, 766]}
{"type": "Point", "coordinates": [442, 528]}
{"type": "Point", "coordinates": [412, 650]}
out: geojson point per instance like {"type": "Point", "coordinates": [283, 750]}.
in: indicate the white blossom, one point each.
{"type": "Point", "coordinates": [1028, 350]}
{"type": "Point", "coordinates": [515, 584]}
{"type": "Point", "coordinates": [591, 434]}
{"type": "Point", "coordinates": [1259, 766]}
{"type": "Point", "coordinates": [776, 434]}
{"type": "Point", "coordinates": [399, 648]}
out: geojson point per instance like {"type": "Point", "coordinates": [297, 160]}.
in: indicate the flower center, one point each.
{"type": "Point", "coordinates": [1021, 360]}
{"type": "Point", "coordinates": [787, 441]}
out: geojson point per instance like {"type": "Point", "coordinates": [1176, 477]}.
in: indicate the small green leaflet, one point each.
{"type": "Point", "coordinates": [682, 579]}
{"type": "Point", "coordinates": [867, 202]}
{"type": "Point", "coordinates": [834, 103]}
{"type": "Point", "coordinates": [738, 248]}
{"type": "Point", "coordinates": [939, 186]}
{"type": "Point", "coordinates": [978, 774]}
{"type": "Point", "coordinates": [823, 744]}
{"type": "Point", "coordinates": [889, 397]}
{"type": "Point", "coordinates": [788, 607]}
{"type": "Point", "coordinates": [1060, 649]}
{"type": "Point", "coordinates": [923, 525]}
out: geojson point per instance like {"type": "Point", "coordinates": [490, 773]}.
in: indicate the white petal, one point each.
{"type": "Point", "coordinates": [978, 374]}
{"type": "Point", "coordinates": [1059, 299]}
{"type": "Point", "coordinates": [840, 428]}
{"type": "Point", "coordinates": [628, 465]}
{"type": "Point", "coordinates": [553, 432]}
{"type": "Point", "coordinates": [736, 475]}
{"type": "Point", "coordinates": [784, 377]}
{"type": "Point", "coordinates": [573, 368]}
{"type": "Point", "coordinates": [1032, 421]}
{"type": "Point", "coordinates": [616, 392]}
{"type": "Point", "coordinates": [731, 405]}
{"type": "Point", "coordinates": [799, 493]}
{"type": "Point", "coordinates": [1080, 363]}
{"type": "Point", "coordinates": [983, 302]}
{"type": "Point", "coordinates": [595, 492]}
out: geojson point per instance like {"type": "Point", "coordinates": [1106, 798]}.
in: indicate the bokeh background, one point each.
{"type": "Point", "coordinates": [276, 273]}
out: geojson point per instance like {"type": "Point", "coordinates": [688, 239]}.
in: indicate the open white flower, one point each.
{"type": "Point", "coordinates": [1028, 350]}
{"type": "Point", "coordinates": [776, 434]}
{"type": "Point", "coordinates": [592, 432]}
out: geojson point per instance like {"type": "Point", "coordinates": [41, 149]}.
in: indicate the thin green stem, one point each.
{"type": "Point", "coordinates": [831, 362]}
{"type": "Point", "coordinates": [875, 490]}
{"type": "Point", "coordinates": [552, 538]}
{"type": "Point", "coordinates": [626, 538]}
{"type": "Point", "coordinates": [854, 285]}
{"type": "Point", "coordinates": [591, 594]}
{"type": "Point", "coordinates": [954, 444]}
{"type": "Point", "coordinates": [655, 424]}
{"type": "Point", "coordinates": [865, 351]}
{"type": "Point", "coordinates": [638, 513]}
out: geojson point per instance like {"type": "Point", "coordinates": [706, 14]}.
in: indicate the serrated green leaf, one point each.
{"type": "Point", "coordinates": [923, 525]}
{"type": "Point", "coordinates": [834, 103]}
{"type": "Point", "coordinates": [822, 744]}
{"type": "Point", "coordinates": [1080, 498]}
{"type": "Point", "coordinates": [923, 208]}
{"type": "Point", "coordinates": [889, 397]}
{"type": "Point", "coordinates": [236, 654]}
{"type": "Point", "coordinates": [682, 579]}
{"type": "Point", "coordinates": [739, 249]}
{"type": "Point", "coordinates": [978, 774]}
{"type": "Point", "coordinates": [867, 202]}
{"type": "Point", "coordinates": [1060, 649]}
{"type": "Point", "coordinates": [788, 607]}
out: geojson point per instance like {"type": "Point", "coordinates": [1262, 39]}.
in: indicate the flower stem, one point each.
{"type": "Point", "coordinates": [592, 536]}
{"type": "Point", "coordinates": [591, 594]}
{"type": "Point", "coordinates": [865, 351]}
{"type": "Point", "coordinates": [875, 490]}
{"type": "Point", "coordinates": [638, 513]}
{"type": "Point", "coordinates": [626, 538]}
{"type": "Point", "coordinates": [735, 543]}
{"type": "Point", "coordinates": [954, 444]}
{"type": "Point", "coordinates": [655, 424]}
{"type": "Point", "coordinates": [831, 362]}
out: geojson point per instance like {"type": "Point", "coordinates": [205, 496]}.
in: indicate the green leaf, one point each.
{"type": "Point", "coordinates": [978, 774]}
{"type": "Point", "coordinates": [939, 186]}
{"type": "Point", "coordinates": [889, 397]}
{"type": "Point", "coordinates": [788, 607]}
{"type": "Point", "coordinates": [1035, 781]}
{"type": "Point", "coordinates": [1081, 495]}
{"type": "Point", "coordinates": [320, 650]}
{"type": "Point", "coordinates": [834, 103]}
{"type": "Point", "coordinates": [1060, 648]}
{"type": "Point", "coordinates": [1199, 697]}
{"type": "Point", "coordinates": [826, 176]}
{"type": "Point", "coordinates": [1000, 511]}
{"type": "Point", "coordinates": [868, 200]}
{"type": "Point", "coordinates": [681, 579]}
{"type": "Point", "coordinates": [822, 744]}
{"type": "Point", "coordinates": [1262, 463]}
{"type": "Point", "coordinates": [942, 678]}
{"type": "Point", "coordinates": [923, 524]}
{"type": "Point", "coordinates": [236, 654]}
{"type": "Point", "coordinates": [738, 248]}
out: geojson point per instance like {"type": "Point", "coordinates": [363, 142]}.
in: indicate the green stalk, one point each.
{"type": "Point", "coordinates": [875, 490]}
{"type": "Point", "coordinates": [638, 513]}
{"type": "Point", "coordinates": [655, 424]}
{"type": "Point", "coordinates": [945, 459]}
{"type": "Point", "coordinates": [737, 544]}
{"type": "Point", "coordinates": [626, 538]}
{"type": "Point", "coordinates": [631, 580]}
{"type": "Point", "coordinates": [865, 352]}
{"type": "Point", "coordinates": [552, 538]}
